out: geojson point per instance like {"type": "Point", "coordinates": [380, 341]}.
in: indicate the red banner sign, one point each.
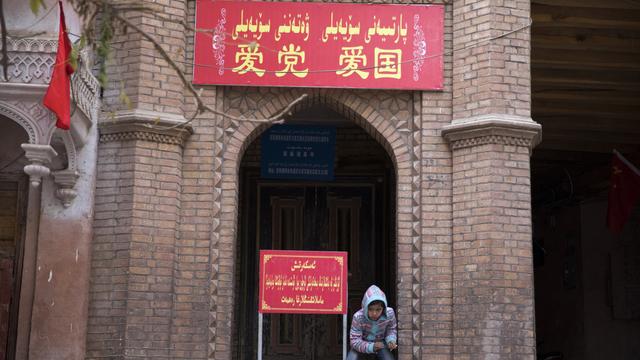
{"type": "Point", "coordinates": [319, 45]}
{"type": "Point", "coordinates": [303, 282]}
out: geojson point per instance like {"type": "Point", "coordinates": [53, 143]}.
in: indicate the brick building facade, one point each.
{"type": "Point", "coordinates": [166, 226]}
{"type": "Point", "coordinates": [166, 222]}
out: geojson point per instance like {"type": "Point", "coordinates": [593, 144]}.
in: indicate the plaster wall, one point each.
{"type": "Point", "coordinates": [59, 319]}
{"type": "Point", "coordinates": [22, 21]}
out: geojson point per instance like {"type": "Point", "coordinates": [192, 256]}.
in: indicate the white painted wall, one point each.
{"type": "Point", "coordinates": [21, 21]}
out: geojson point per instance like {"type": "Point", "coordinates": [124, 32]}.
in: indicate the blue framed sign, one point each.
{"type": "Point", "coordinates": [298, 152]}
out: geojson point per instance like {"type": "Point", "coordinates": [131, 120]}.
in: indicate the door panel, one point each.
{"type": "Point", "coordinates": [317, 217]}
{"type": "Point", "coordinates": [286, 234]}
{"type": "Point", "coordinates": [344, 215]}
{"type": "Point", "coordinates": [12, 219]}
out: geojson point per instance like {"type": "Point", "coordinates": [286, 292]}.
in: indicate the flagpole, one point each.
{"type": "Point", "coordinates": [627, 162]}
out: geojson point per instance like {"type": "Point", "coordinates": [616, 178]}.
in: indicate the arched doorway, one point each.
{"type": "Point", "coordinates": [354, 213]}
{"type": "Point", "coordinates": [13, 197]}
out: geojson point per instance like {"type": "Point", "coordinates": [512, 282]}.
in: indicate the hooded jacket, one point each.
{"type": "Point", "coordinates": [364, 331]}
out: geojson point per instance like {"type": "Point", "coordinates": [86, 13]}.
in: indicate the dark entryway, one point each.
{"type": "Point", "coordinates": [354, 213]}
{"type": "Point", "coordinates": [585, 78]}
{"type": "Point", "coordinates": [13, 199]}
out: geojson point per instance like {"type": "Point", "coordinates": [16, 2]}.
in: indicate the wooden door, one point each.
{"type": "Point", "coordinates": [12, 206]}
{"type": "Point", "coordinates": [350, 215]}
{"type": "Point", "coordinates": [325, 218]}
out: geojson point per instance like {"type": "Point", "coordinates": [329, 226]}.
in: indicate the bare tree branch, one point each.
{"type": "Point", "coordinates": [277, 118]}
{"type": "Point", "coordinates": [5, 51]}
{"type": "Point", "coordinates": [90, 8]}
{"type": "Point", "coordinates": [201, 106]}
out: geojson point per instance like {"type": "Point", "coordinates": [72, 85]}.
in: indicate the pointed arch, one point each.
{"type": "Point", "coordinates": [393, 134]}
{"type": "Point", "coordinates": [21, 118]}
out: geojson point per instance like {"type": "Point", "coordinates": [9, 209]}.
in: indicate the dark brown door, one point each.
{"type": "Point", "coordinates": [12, 195]}
{"type": "Point", "coordinates": [345, 216]}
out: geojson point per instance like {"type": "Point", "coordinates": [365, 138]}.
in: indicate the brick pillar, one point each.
{"type": "Point", "coordinates": [138, 73]}
{"type": "Point", "coordinates": [491, 137]}
{"type": "Point", "coordinates": [137, 206]}
{"type": "Point", "coordinates": [138, 190]}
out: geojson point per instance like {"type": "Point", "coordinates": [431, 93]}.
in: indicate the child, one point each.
{"type": "Point", "coordinates": [374, 327]}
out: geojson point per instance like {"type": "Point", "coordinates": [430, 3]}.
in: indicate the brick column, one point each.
{"type": "Point", "coordinates": [138, 70]}
{"type": "Point", "coordinates": [137, 209]}
{"type": "Point", "coordinates": [138, 190]}
{"type": "Point", "coordinates": [491, 137]}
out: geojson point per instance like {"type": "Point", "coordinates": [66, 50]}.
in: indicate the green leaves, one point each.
{"type": "Point", "coordinates": [124, 98]}
{"type": "Point", "coordinates": [36, 4]}
{"type": "Point", "coordinates": [103, 46]}
{"type": "Point", "coordinates": [75, 51]}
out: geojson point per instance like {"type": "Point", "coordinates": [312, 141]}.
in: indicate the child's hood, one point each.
{"type": "Point", "coordinates": [372, 294]}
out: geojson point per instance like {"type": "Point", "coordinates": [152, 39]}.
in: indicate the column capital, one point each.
{"type": "Point", "coordinates": [145, 125]}
{"type": "Point", "coordinates": [40, 157]}
{"type": "Point", "coordinates": [493, 129]}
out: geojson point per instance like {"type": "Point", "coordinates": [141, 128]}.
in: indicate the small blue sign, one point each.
{"type": "Point", "coordinates": [298, 152]}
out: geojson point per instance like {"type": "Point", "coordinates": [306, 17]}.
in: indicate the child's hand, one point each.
{"type": "Point", "coordinates": [378, 345]}
{"type": "Point", "coordinates": [392, 345]}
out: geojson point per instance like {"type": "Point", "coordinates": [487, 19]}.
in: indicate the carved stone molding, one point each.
{"type": "Point", "coordinates": [40, 157]}
{"type": "Point", "coordinates": [31, 64]}
{"type": "Point", "coordinates": [30, 67]}
{"type": "Point", "coordinates": [493, 129]}
{"type": "Point", "coordinates": [16, 114]}
{"type": "Point", "coordinates": [70, 148]}
{"type": "Point", "coordinates": [42, 119]}
{"type": "Point", "coordinates": [31, 59]}
{"type": "Point", "coordinates": [66, 180]}
{"type": "Point", "coordinates": [145, 125]}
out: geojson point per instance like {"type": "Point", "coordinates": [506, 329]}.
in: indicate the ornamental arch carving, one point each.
{"type": "Point", "coordinates": [14, 112]}
{"type": "Point", "coordinates": [39, 125]}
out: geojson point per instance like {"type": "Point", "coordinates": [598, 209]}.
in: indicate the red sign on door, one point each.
{"type": "Point", "coordinates": [319, 45]}
{"type": "Point", "coordinates": [303, 282]}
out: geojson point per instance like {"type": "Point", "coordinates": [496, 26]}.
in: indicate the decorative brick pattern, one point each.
{"type": "Point", "coordinates": [436, 189]}
{"type": "Point", "coordinates": [196, 246]}
{"type": "Point", "coordinates": [146, 136]}
{"type": "Point", "coordinates": [197, 243]}
{"type": "Point", "coordinates": [490, 139]}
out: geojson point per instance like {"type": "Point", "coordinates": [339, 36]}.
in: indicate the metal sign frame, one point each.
{"type": "Point", "coordinates": [302, 280]}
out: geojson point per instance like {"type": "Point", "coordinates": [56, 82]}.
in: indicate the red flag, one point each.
{"type": "Point", "coordinates": [57, 98]}
{"type": "Point", "coordinates": [624, 192]}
